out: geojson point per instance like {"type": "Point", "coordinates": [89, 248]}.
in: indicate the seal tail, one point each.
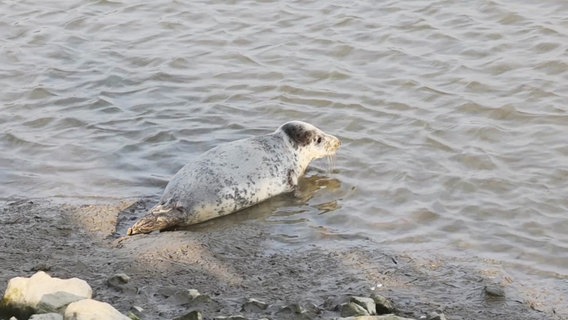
{"type": "Point", "coordinates": [160, 217]}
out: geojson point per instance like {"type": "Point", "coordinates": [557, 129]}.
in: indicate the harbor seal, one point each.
{"type": "Point", "coordinates": [237, 175]}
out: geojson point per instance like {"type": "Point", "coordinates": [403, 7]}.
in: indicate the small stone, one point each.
{"type": "Point", "coordinates": [367, 303]}
{"type": "Point", "coordinates": [121, 277]}
{"type": "Point", "coordinates": [193, 293]}
{"type": "Point", "coordinates": [202, 301]}
{"type": "Point", "coordinates": [291, 308]}
{"type": "Point", "coordinates": [182, 297]}
{"type": "Point", "coordinates": [41, 267]}
{"type": "Point", "coordinates": [167, 292]}
{"type": "Point", "coordinates": [382, 304]}
{"type": "Point", "coordinates": [436, 316]}
{"type": "Point", "coordinates": [136, 313]}
{"type": "Point", "coordinates": [351, 309]}
{"type": "Point", "coordinates": [133, 316]}
{"type": "Point", "coordinates": [332, 303]}
{"type": "Point", "coordinates": [193, 315]}
{"type": "Point", "coordinates": [312, 308]}
{"type": "Point", "coordinates": [47, 316]}
{"type": "Point", "coordinates": [235, 317]}
{"type": "Point", "coordinates": [494, 290]}
{"type": "Point", "coordinates": [118, 281]}
{"type": "Point", "coordinates": [189, 299]}
{"type": "Point", "coordinates": [253, 305]}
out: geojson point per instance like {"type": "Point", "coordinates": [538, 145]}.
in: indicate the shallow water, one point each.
{"type": "Point", "coordinates": [453, 115]}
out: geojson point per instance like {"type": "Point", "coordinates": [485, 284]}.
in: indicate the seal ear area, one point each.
{"type": "Point", "coordinates": [298, 134]}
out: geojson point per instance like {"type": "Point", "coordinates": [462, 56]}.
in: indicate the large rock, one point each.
{"type": "Point", "coordinates": [89, 309]}
{"type": "Point", "coordinates": [43, 293]}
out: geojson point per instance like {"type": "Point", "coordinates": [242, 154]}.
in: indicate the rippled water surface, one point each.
{"type": "Point", "coordinates": [453, 114]}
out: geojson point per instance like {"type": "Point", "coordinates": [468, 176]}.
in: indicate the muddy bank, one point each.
{"type": "Point", "coordinates": [234, 262]}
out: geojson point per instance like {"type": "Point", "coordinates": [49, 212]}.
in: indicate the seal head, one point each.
{"type": "Point", "coordinates": [237, 175]}
{"type": "Point", "coordinates": [309, 143]}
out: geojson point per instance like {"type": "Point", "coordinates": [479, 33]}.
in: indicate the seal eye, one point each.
{"type": "Point", "coordinates": [319, 139]}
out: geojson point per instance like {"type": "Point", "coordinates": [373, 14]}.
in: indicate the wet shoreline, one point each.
{"type": "Point", "coordinates": [233, 264]}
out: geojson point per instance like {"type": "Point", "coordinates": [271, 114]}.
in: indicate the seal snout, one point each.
{"type": "Point", "coordinates": [145, 225]}
{"type": "Point", "coordinates": [335, 143]}
{"type": "Point", "coordinates": [156, 221]}
{"type": "Point", "coordinates": [332, 144]}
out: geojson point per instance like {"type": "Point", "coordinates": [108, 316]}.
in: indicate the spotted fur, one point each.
{"type": "Point", "coordinates": [237, 175]}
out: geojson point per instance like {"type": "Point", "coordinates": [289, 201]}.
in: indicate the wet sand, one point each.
{"type": "Point", "coordinates": [233, 263]}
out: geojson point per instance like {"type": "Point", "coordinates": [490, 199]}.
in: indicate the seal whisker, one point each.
{"type": "Point", "coordinates": [333, 159]}
{"type": "Point", "coordinates": [330, 163]}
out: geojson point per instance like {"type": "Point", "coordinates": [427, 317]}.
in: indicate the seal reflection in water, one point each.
{"type": "Point", "coordinates": [237, 175]}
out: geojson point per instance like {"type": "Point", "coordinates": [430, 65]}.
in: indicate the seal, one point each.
{"type": "Point", "coordinates": [237, 175]}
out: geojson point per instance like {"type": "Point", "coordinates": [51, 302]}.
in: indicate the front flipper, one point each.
{"type": "Point", "coordinates": [159, 218]}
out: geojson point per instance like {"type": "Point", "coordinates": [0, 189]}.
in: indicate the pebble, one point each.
{"type": "Point", "coordinates": [193, 293]}
{"type": "Point", "coordinates": [119, 282]}
{"type": "Point", "coordinates": [235, 317]}
{"type": "Point", "coordinates": [494, 290]}
{"type": "Point", "coordinates": [436, 316]}
{"type": "Point", "coordinates": [193, 315]}
{"type": "Point", "coordinates": [253, 305]}
{"type": "Point", "coordinates": [136, 313]}
{"type": "Point", "coordinates": [382, 304]}
{"type": "Point", "coordinates": [292, 308]}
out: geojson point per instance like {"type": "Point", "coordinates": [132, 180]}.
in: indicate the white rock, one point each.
{"type": "Point", "coordinates": [56, 302]}
{"type": "Point", "coordinates": [90, 309]}
{"type": "Point", "coordinates": [47, 316]}
{"type": "Point", "coordinates": [28, 292]}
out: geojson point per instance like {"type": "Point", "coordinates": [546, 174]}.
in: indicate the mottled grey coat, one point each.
{"type": "Point", "coordinates": [237, 175]}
